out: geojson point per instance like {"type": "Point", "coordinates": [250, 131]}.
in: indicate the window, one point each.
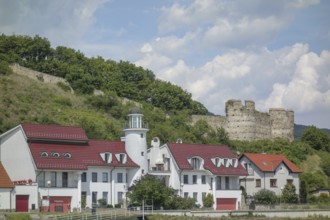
{"type": "Point", "coordinates": [105, 177]}
{"type": "Point", "coordinates": [126, 178]}
{"type": "Point", "coordinates": [105, 196]}
{"type": "Point", "coordinates": [53, 179]}
{"type": "Point", "coordinates": [122, 158]}
{"type": "Point", "coordinates": [44, 154]}
{"type": "Point", "coordinates": [225, 161]}
{"type": "Point", "coordinates": [56, 155]}
{"type": "Point", "coordinates": [185, 179]}
{"type": "Point", "coordinates": [234, 162]}
{"type": "Point", "coordinates": [273, 183]}
{"type": "Point", "coordinates": [94, 198]}
{"type": "Point", "coordinates": [194, 179]}
{"type": "Point", "coordinates": [94, 177]}
{"type": "Point", "coordinates": [67, 155]}
{"type": "Point", "coordinates": [84, 177]}
{"type": "Point", "coordinates": [218, 182]}
{"type": "Point", "coordinates": [289, 181]}
{"type": "Point", "coordinates": [195, 194]}
{"type": "Point", "coordinates": [258, 182]}
{"type": "Point", "coordinates": [186, 195]}
{"type": "Point", "coordinates": [142, 153]}
{"type": "Point", "coordinates": [65, 179]}
{"type": "Point", "coordinates": [203, 179]}
{"type": "Point", "coordinates": [41, 179]}
{"type": "Point", "coordinates": [227, 182]}
{"type": "Point", "coordinates": [120, 197]}
{"type": "Point", "coordinates": [119, 177]}
{"type": "Point", "coordinates": [203, 195]}
{"type": "Point", "coordinates": [211, 183]}
{"type": "Point", "coordinates": [217, 162]}
{"type": "Point", "coordinates": [195, 163]}
{"type": "Point", "coordinates": [106, 157]}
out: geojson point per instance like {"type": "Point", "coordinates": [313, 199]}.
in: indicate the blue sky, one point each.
{"type": "Point", "coordinates": [274, 52]}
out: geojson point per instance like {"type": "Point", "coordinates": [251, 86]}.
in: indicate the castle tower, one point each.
{"type": "Point", "coordinates": [136, 143]}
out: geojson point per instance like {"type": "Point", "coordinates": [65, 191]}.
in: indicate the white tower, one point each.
{"type": "Point", "coordinates": [136, 143]}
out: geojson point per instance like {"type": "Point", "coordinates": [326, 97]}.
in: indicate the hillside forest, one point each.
{"type": "Point", "coordinates": [166, 107]}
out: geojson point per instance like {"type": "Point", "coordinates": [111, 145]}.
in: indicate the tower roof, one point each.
{"type": "Point", "coordinates": [135, 110]}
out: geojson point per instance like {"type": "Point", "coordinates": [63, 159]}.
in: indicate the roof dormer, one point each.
{"type": "Point", "coordinates": [106, 156]}
{"type": "Point", "coordinates": [121, 157]}
{"type": "Point", "coordinates": [196, 163]}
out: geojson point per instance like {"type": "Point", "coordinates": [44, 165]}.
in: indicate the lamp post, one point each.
{"type": "Point", "coordinates": [281, 195]}
{"type": "Point", "coordinates": [48, 185]}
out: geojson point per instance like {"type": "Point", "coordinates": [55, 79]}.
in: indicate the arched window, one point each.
{"type": "Point", "coordinates": [67, 155]}
{"type": "Point", "coordinates": [196, 163]}
{"type": "Point", "coordinates": [44, 154]}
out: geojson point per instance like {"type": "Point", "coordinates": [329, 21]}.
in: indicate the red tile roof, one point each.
{"type": "Point", "coordinates": [82, 156]}
{"type": "Point", "coordinates": [269, 162]}
{"type": "Point", "coordinates": [182, 152]}
{"type": "Point", "coordinates": [5, 181]}
{"type": "Point", "coordinates": [54, 132]}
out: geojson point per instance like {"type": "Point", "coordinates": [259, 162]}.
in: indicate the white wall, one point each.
{"type": "Point", "coordinates": [31, 190]}
{"type": "Point", "coordinates": [5, 198]}
{"type": "Point", "coordinates": [16, 156]}
{"type": "Point", "coordinates": [112, 186]}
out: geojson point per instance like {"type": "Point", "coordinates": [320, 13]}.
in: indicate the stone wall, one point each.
{"type": "Point", "coordinates": [243, 122]}
{"type": "Point", "coordinates": [46, 78]}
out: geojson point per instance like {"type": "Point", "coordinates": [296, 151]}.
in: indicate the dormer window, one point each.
{"type": "Point", "coordinates": [217, 161]}
{"type": "Point", "coordinates": [226, 162]}
{"type": "Point", "coordinates": [44, 154]}
{"type": "Point", "coordinates": [106, 157]}
{"type": "Point", "coordinates": [196, 163]}
{"type": "Point", "coordinates": [122, 158]}
{"type": "Point", "coordinates": [67, 155]}
{"type": "Point", "coordinates": [234, 162]}
{"type": "Point", "coordinates": [55, 155]}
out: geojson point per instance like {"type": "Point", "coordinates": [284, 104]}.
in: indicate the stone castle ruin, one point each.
{"type": "Point", "coordinates": [244, 122]}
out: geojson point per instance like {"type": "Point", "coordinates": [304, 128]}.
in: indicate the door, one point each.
{"type": "Point", "coordinates": [226, 204]}
{"type": "Point", "coordinates": [22, 203]}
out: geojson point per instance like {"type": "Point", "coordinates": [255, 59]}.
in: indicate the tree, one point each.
{"type": "Point", "coordinates": [208, 200]}
{"type": "Point", "coordinates": [148, 188]}
{"type": "Point", "coordinates": [316, 138]}
{"type": "Point", "coordinates": [289, 194]}
{"type": "Point", "coordinates": [316, 180]}
{"type": "Point", "coordinates": [265, 197]}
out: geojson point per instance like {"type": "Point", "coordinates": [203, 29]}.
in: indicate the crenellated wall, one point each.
{"type": "Point", "coordinates": [243, 122]}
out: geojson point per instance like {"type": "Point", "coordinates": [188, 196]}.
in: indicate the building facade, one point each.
{"type": "Point", "coordinates": [195, 170]}
{"type": "Point", "coordinates": [268, 171]}
{"type": "Point", "coordinates": [57, 168]}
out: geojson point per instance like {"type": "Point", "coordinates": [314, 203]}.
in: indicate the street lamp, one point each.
{"type": "Point", "coordinates": [48, 185]}
{"type": "Point", "coordinates": [281, 195]}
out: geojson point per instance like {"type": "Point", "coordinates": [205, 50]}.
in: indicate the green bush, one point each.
{"type": "Point", "coordinates": [102, 202]}
{"type": "Point", "coordinates": [208, 200]}
{"type": "Point", "coordinates": [4, 68]}
{"type": "Point", "coordinates": [18, 216]}
{"type": "Point", "coordinates": [65, 87]}
{"type": "Point", "coordinates": [265, 197]}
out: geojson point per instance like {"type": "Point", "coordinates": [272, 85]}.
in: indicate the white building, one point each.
{"type": "Point", "coordinates": [194, 170]}
{"type": "Point", "coordinates": [57, 168]}
{"type": "Point", "coordinates": [268, 171]}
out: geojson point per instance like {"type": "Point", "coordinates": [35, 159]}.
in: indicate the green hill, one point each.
{"type": "Point", "coordinates": [166, 107]}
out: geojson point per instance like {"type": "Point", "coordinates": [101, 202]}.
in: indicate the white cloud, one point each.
{"type": "Point", "coordinates": [62, 22]}
{"type": "Point", "coordinates": [309, 88]}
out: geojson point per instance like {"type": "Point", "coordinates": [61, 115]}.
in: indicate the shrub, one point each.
{"type": "Point", "coordinates": [65, 87]}
{"type": "Point", "coordinates": [102, 202]}
{"type": "Point", "coordinates": [4, 68]}
{"type": "Point", "coordinates": [265, 196]}
{"type": "Point", "coordinates": [117, 206]}
{"type": "Point", "coordinates": [289, 194]}
{"type": "Point", "coordinates": [208, 200]}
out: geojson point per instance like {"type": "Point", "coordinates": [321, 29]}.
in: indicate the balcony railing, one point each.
{"type": "Point", "coordinates": [127, 125]}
